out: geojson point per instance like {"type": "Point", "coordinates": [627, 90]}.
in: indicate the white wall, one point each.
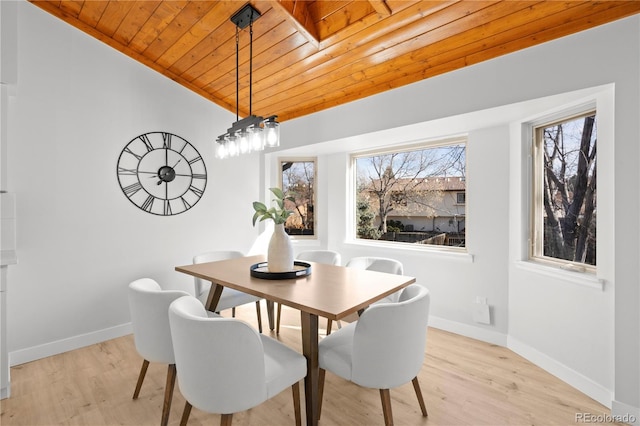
{"type": "Point", "coordinates": [585, 332]}
{"type": "Point", "coordinates": [80, 242]}
{"type": "Point", "coordinates": [78, 102]}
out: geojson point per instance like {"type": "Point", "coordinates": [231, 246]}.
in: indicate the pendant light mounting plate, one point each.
{"type": "Point", "coordinates": [245, 16]}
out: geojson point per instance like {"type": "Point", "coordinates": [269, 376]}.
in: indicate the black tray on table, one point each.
{"type": "Point", "coordinates": [300, 269]}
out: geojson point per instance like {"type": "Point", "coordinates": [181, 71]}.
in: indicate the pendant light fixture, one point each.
{"type": "Point", "coordinates": [251, 133]}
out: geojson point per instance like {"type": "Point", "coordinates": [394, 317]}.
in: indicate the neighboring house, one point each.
{"type": "Point", "coordinates": [433, 204]}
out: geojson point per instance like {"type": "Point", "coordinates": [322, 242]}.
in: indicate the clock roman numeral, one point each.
{"type": "Point", "coordinates": [148, 204]}
{"type": "Point", "coordinates": [167, 208]}
{"type": "Point", "coordinates": [166, 140]}
{"type": "Point", "coordinates": [130, 190]}
{"type": "Point", "coordinates": [146, 141]}
{"type": "Point", "coordinates": [195, 160]}
{"type": "Point", "coordinates": [196, 191]}
{"type": "Point", "coordinates": [183, 147]}
{"type": "Point", "coordinates": [139, 157]}
{"type": "Point", "coordinates": [126, 172]}
{"type": "Point", "coordinates": [186, 204]}
{"type": "Point", "coordinates": [199, 176]}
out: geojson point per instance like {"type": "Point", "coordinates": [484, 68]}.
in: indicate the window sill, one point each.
{"type": "Point", "coordinates": [303, 238]}
{"type": "Point", "coordinates": [311, 242]}
{"type": "Point", "coordinates": [450, 254]}
{"type": "Point", "coordinates": [580, 278]}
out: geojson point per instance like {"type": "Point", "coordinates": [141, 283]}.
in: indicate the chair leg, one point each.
{"type": "Point", "coordinates": [321, 374]}
{"type": "Point", "coordinates": [143, 372]}
{"type": "Point", "coordinates": [329, 322]}
{"type": "Point", "coordinates": [259, 316]}
{"type": "Point", "coordinates": [278, 318]}
{"type": "Point", "coordinates": [168, 394]}
{"type": "Point", "coordinates": [185, 414]}
{"type": "Point", "coordinates": [385, 396]}
{"type": "Point", "coordinates": [233, 312]}
{"type": "Point", "coordinates": [295, 390]}
{"type": "Point", "coordinates": [416, 387]}
{"type": "Point", "coordinates": [226, 419]}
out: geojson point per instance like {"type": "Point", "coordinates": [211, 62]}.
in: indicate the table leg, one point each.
{"type": "Point", "coordinates": [309, 324]}
{"type": "Point", "coordinates": [214, 297]}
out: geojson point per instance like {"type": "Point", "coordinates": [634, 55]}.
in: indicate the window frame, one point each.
{"type": "Point", "coordinates": [536, 222]}
{"type": "Point", "coordinates": [461, 139]}
{"type": "Point", "coordinates": [303, 159]}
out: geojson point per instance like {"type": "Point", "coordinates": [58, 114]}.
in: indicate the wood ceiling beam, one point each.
{"type": "Point", "coordinates": [300, 17]}
{"type": "Point", "coordinates": [381, 7]}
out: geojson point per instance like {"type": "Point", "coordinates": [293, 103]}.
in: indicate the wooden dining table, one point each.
{"type": "Point", "coordinates": [329, 291]}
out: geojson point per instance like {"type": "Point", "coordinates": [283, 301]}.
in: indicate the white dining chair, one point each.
{"type": "Point", "coordinates": [230, 298]}
{"type": "Point", "coordinates": [329, 257]}
{"type": "Point", "coordinates": [149, 306]}
{"type": "Point", "coordinates": [378, 264]}
{"type": "Point", "coordinates": [383, 349]}
{"type": "Point", "coordinates": [225, 366]}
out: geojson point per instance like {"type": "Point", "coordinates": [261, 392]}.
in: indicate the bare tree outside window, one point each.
{"type": "Point", "coordinates": [412, 195]}
{"type": "Point", "coordinates": [298, 181]}
{"type": "Point", "coordinates": [565, 218]}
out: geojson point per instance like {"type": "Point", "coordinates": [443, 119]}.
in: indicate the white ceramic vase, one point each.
{"type": "Point", "coordinates": [280, 253]}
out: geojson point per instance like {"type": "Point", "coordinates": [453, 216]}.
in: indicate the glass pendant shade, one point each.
{"type": "Point", "coordinates": [221, 150]}
{"type": "Point", "coordinates": [272, 130]}
{"type": "Point", "coordinates": [243, 141]}
{"type": "Point", "coordinates": [232, 146]}
{"type": "Point", "coordinates": [257, 139]}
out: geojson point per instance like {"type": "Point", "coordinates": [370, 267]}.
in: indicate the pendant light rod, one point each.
{"type": "Point", "coordinates": [237, 73]}
{"type": "Point", "coordinates": [250, 68]}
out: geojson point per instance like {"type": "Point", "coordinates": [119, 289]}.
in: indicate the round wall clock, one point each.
{"type": "Point", "coordinates": [162, 173]}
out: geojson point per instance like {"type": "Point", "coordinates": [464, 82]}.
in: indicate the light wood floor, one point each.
{"type": "Point", "coordinates": [464, 382]}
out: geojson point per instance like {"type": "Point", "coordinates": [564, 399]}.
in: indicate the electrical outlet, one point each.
{"type": "Point", "coordinates": [481, 311]}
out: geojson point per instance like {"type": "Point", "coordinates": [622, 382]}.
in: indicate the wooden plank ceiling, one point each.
{"type": "Point", "coordinates": [316, 54]}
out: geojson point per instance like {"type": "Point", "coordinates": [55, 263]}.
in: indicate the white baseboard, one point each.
{"type": "Point", "coordinates": [625, 413]}
{"type": "Point", "coordinates": [478, 333]}
{"type": "Point", "coordinates": [585, 385]}
{"type": "Point", "coordinates": [54, 348]}
{"type": "Point", "coordinates": [5, 392]}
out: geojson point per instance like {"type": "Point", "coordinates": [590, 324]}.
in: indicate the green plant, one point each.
{"type": "Point", "coordinates": [278, 214]}
{"type": "Point", "coordinates": [366, 230]}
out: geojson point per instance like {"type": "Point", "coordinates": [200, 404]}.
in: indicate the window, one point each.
{"type": "Point", "coordinates": [412, 195]}
{"type": "Point", "coordinates": [564, 192]}
{"type": "Point", "coordinates": [297, 178]}
{"type": "Point", "coordinates": [461, 197]}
